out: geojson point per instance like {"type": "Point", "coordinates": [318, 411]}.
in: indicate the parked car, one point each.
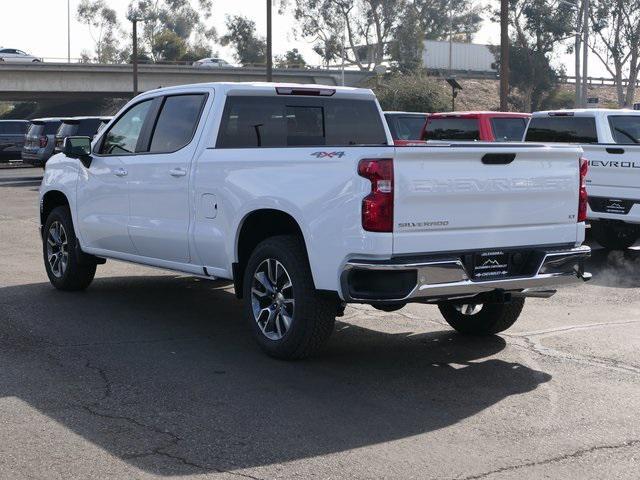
{"type": "Point", "coordinates": [13, 55]}
{"type": "Point", "coordinates": [12, 134]}
{"type": "Point", "coordinates": [74, 126]}
{"type": "Point", "coordinates": [212, 62]}
{"type": "Point", "coordinates": [406, 127]}
{"type": "Point", "coordinates": [298, 195]}
{"type": "Point", "coordinates": [40, 141]}
{"type": "Point", "coordinates": [476, 126]}
{"type": "Point", "coordinates": [611, 142]}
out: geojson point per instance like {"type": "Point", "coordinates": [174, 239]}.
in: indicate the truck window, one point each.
{"type": "Point", "coordinates": [13, 128]}
{"type": "Point", "coordinates": [407, 127]}
{"type": "Point", "coordinates": [508, 129]}
{"type": "Point", "coordinates": [122, 137]}
{"type": "Point", "coordinates": [452, 129]}
{"type": "Point", "coordinates": [176, 123]}
{"type": "Point", "coordinates": [625, 128]}
{"type": "Point", "coordinates": [250, 122]}
{"type": "Point", "coordinates": [559, 129]}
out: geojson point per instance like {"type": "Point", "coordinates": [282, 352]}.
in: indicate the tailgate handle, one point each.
{"type": "Point", "coordinates": [615, 151]}
{"type": "Point", "coordinates": [498, 158]}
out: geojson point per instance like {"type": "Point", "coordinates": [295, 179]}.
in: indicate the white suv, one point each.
{"type": "Point", "coordinates": [298, 195]}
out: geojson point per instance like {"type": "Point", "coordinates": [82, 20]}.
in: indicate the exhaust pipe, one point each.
{"type": "Point", "coordinates": [531, 293]}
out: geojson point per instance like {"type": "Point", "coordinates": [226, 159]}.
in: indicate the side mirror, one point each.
{"type": "Point", "coordinates": [80, 148]}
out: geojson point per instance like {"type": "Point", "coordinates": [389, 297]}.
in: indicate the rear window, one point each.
{"type": "Point", "coordinates": [13, 128]}
{"type": "Point", "coordinates": [508, 129]}
{"type": "Point", "coordinates": [562, 130]}
{"type": "Point", "coordinates": [452, 129]}
{"type": "Point", "coordinates": [177, 123]}
{"type": "Point", "coordinates": [625, 128]}
{"type": "Point", "coordinates": [88, 127]}
{"type": "Point", "coordinates": [250, 122]}
{"type": "Point", "coordinates": [407, 127]}
{"type": "Point", "coordinates": [44, 128]}
{"type": "Point", "coordinates": [67, 130]}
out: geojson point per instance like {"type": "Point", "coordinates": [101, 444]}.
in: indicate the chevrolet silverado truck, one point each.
{"type": "Point", "coordinates": [611, 143]}
{"type": "Point", "coordinates": [298, 195]}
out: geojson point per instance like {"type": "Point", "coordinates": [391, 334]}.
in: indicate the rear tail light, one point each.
{"type": "Point", "coordinates": [43, 140]}
{"type": "Point", "coordinates": [377, 207]}
{"type": "Point", "coordinates": [583, 197]}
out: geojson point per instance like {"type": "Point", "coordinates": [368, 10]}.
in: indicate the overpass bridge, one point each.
{"type": "Point", "coordinates": [64, 81]}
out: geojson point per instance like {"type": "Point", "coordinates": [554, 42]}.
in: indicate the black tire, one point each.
{"type": "Point", "coordinates": [312, 314]}
{"type": "Point", "coordinates": [614, 236]}
{"type": "Point", "coordinates": [74, 276]}
{"type": "Point", "coordinates": [491, 319]}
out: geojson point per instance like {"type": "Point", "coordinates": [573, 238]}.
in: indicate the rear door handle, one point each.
{"type": "Point", "coordinates": [177, 172]}
{"type": "Point", "coordinates": [120, 172]}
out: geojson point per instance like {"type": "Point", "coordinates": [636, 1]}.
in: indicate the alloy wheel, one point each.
{"type": "Point", "coordinates": [272, 299]}
{"type": "Point", "coordinates": [57, 249]}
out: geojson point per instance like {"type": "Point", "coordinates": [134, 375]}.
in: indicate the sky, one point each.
{"type": "Point", "coordinates": [40, 28]}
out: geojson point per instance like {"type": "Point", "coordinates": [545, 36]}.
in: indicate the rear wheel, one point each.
{"type": "Point", "coordinates": [615, 236]}
{"type": "Point", "coordinates": [482, 318]}
{"type": "Point", "coordinates": [289, 318]}
{"type": "Point", "coordinates": [58, 249]}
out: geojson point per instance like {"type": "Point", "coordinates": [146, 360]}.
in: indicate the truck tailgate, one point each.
{"type": "Point", "coordinates": [477, 196]}
{"type": "Point", "coordinates": [614, 170]}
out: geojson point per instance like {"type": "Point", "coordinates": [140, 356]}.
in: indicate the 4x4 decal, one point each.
{"type": "Point", "coordinates": [327, 154]}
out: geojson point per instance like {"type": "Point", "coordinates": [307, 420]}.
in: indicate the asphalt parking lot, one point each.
{"type": "Point", "coordinates": [150, 374]}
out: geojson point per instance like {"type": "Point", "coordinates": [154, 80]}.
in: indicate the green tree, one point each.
{"type": "Point", "coordinates": [616, 26]}
{"type": "Point", "coordinates": [248, 48]}
{"type": "Point", "coordinates": [538, 27]}
{"type": "Point", "coordinates": [291, 59]}
{"type": "Point", "coordinates": [103, 28]}
{"type": "Point", "coordinates": [173, 29]}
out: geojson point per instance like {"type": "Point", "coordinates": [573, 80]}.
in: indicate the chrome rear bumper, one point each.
{"type": "Point", "coordinates": [448, 278]}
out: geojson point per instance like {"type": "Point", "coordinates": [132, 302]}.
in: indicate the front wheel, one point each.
{"type": "Point", "coordinates": [482, 318]}
{"type": "Point", "coordinates": [615, 236]}
{"type": "Point", "coordinates": [289, 318]}
{"type": "Point", "coordinates": [58, 249]}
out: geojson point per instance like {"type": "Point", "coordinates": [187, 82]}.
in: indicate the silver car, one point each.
{"type": "Point", "coordinates": [13, 55]}
{"type": "Point", "coordinates": [212, 62]}
{"type": "Point", "coordinates": [40, 141]}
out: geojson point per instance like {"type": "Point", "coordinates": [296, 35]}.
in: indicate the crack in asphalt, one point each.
{"type": "Point", "coordinates": [173, 441]}
{"type": "Point", "coordinates": [531, 341]}
{"type": "Point", "coordinates": [556, 459]}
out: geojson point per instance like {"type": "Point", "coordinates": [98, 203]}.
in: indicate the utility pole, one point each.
{"type": "Point", "coordinates": [269, 44]}
{"type": "Point", "coordinates": [504, 54]}
{"type": "Point", "coordinates": [134, 21]}
{"type": "Point", "coordinates": [450, 40]}
{"type": "Point", "coordinates": [68, 31]}
{"type": "Point", "coordinates": [585, 52]}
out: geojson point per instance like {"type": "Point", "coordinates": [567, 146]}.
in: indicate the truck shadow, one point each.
{"type": "Point", "coordinates": [160, 372]}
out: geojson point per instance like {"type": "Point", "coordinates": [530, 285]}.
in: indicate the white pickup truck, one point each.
{"type": "Point", "coordinates": [297, 194]}
{"type": "Point", "coordinates": [611, 143]}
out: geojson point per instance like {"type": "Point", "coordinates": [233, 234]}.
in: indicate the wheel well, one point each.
{"type": "Point", "coordinates": [51, 200]}
{"type": "Point", "coordinates": [258, 226]}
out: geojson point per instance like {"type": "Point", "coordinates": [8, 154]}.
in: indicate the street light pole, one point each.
{"type": "Point", "coordinates": [504, 55]}
{"type": "Point", "coordinates": [269, 44]}
{"type": "Point", "coordinates": [134, 49]}
{"type": "Point", "coordinates": [68, 31]}
{"type": "Point", "coordinates": [585, 52]}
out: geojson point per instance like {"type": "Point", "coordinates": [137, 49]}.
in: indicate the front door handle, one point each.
{"type": "Point", "coordinates": [177, 172]}
{"type": "Point", "coordinates": [120, 172]}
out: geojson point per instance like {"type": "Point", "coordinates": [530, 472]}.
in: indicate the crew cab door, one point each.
{"type": "Point", "coordinates": [158, 177]}
{"type": "Point", "coordinates": [102, 196]}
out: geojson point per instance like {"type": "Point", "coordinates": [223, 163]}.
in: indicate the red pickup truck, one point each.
{"type": "Point", "coordinates": [476, 126]}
